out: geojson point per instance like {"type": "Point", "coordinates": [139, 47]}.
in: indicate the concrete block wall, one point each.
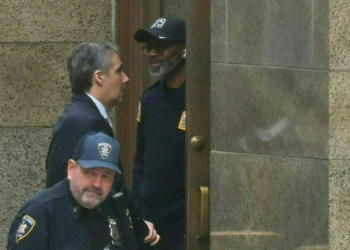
{"type": "Point", "coordinates": [339, 120]}
{"type": "Point", "coordinates": [270, 157]}
{"type": "Point", "coordinates": [35, 38]}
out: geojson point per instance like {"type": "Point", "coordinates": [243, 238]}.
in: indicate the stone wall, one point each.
{"type": "Point", "coordinates": [339, 120]}
{"type": "Point", "coordinates": [35, 38]}
{"type": "Point", "coordinates": [270, 155]}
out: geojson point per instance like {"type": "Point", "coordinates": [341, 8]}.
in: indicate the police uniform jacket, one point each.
{"type": "Point", "coordinates": [53, 220]}
{"type": "Point", "coordinates": [159, 168]}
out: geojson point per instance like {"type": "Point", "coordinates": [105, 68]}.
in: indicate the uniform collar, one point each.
{"type": "Point", "coordinates": [78, 211]}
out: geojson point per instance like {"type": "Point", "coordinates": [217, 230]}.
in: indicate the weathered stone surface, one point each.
{"type": "Point", "coordinates": [263, 202]}
{"type": "Point", "coordinates": [22, 162]}
{"type": "Point", "coordinates": [270, 111]}
{"type": "Point", "coordinates": [55, 21]}
{"type": "Point", "coordinates": [34, 83]}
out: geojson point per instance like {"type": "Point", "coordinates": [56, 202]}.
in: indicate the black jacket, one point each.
{"type": "Point", "coordinates": [53, 220]}
{"type": "Point", "coordinates": [159, 169]}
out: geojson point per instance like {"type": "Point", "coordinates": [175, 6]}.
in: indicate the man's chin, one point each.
{"type": "Point", "coordinates": [156, 75]}
{"type": "Point", "coordinates": [90, 201]}
{"type": "Point", "coordinates": [155, 72]}
{"type": "Point", "coordinates": [90, 204]}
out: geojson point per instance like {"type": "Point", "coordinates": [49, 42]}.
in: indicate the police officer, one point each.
{"type": "Point", "coordinates": [159, 168]}
{"type": "Point", "coordinates": [80, 212]}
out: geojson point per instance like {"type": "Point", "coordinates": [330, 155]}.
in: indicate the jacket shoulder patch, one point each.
{"type": "Point", "coordinates": [139, 112]}
{"type": "Point", "coordinates": [182, 123]}
{"type": "Point", "coordinates": [25, 227]}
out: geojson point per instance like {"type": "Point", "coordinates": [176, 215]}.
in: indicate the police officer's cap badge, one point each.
{"type": "Point", "coordinates": [104, 149]}
{"type": "Point", "coordinates": [25, 227]}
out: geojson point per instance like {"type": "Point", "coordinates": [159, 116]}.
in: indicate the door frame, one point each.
{"type": "Point", "coordinates": [198, 125]}
{"type": "Point", "coordinates": [131, 16]}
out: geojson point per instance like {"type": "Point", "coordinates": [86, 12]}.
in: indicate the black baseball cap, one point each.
{"type": "Point", "coordinates": [97, 149]}
{"type": "Point", "coordinates": [164, 29]}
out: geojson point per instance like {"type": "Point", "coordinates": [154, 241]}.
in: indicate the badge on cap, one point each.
{"type": "Point", "coordinates": [139, 112]}
{"type": "Point", "coordinates": [26, 226]}
{"type": "Point", "coordinates": [182, 123]}
{"type": "Point", "coordinates": [104, 149]}
{"type": "Point", "coordinates": [159, 23]}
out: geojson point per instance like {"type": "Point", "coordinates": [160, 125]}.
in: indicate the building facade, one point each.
{"type": "Point", "coordinates": [280, 98]}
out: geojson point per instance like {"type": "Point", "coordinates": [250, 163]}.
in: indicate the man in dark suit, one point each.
{"type": "Point", "coordinates": [97, 83]}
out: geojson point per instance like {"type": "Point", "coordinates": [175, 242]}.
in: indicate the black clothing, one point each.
{"type": "Point", "coordinates": [159, 169]}
{"type": "Point", "coordinates": [172, 237]}
{"type": "Point", "coordinates": [53, 220]}
{"type": "Point", "coordinates": [80, 117]}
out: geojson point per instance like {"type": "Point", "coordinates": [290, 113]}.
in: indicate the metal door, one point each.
{"type": "Point", "coordinates": [198, 124]}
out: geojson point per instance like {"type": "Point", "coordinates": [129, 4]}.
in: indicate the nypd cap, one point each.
{"type": "Point", "coordinates": [97, 149]}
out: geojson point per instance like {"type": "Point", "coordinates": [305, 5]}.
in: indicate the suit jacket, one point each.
{"type": "Point", "coordinates": [80, 116]}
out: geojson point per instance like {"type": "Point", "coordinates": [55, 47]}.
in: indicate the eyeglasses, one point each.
{"type": "Point", "coordinates": [158, 47]}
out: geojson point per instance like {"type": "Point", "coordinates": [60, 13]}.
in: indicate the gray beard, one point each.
{"type": "Point", "coordinates": [165, 68]}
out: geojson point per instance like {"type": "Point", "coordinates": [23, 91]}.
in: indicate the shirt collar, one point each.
{"type": "Point", "coordinates": [78, 211]}
{"type": "Point", "coordinates": [99, 105]}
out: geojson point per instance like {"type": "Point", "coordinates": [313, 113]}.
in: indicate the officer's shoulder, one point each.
{"type": "Point", "coordinates": [48, 195]}
{"type": "Point", "coordinates": [151, 89]}
{"type": "Point", "coordinates": [35, 205]}
{"type": "Point", "coordinates": [44, 197]}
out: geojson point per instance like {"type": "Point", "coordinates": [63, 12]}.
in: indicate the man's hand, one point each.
{"type": "Point", "coordinates": [152, 238]}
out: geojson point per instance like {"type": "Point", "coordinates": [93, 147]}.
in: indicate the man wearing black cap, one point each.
{"type": "Point", "coordinates": [159, 168]}
{"type": "Point", "coordinates": [79, 212]}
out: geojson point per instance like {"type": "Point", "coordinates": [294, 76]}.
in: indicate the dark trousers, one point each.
{"type": "Point", "coordinates": [172, 237]}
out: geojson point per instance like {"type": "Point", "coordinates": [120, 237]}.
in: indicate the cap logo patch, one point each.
{"type": "Point", "coordinates": [159, 23]}
{"type": "Point", "coordinates": [26, 226]}
{"type": "Point", "coordinates": [104, 149]}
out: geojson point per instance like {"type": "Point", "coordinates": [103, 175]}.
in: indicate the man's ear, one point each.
{"type": "Point", "coordinates": [98, 77]}
{"type": "Point", "coordinates": [70, 167]}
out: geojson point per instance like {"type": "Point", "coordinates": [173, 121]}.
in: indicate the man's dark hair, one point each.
{"type": "Point", "coordinates": [85, 59]}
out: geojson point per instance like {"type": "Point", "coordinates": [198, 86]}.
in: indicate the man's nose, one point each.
{"type": "Point", "coordinates": [126, 78]}
{"type": "Point", "coordinates": [97, 181]}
